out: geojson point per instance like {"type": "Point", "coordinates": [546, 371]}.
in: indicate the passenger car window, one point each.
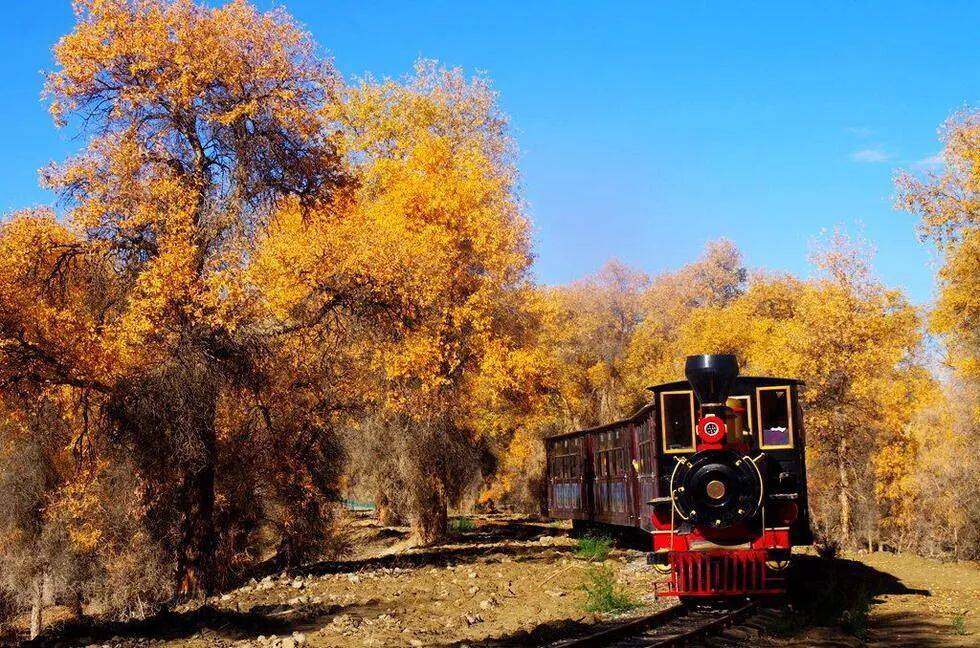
{"type": "Point", "coordinates": [677, 418]}
{"type": "Point", "coordinates": [775, 426]}
{"type": "Point", "coordinates": [645, 443]}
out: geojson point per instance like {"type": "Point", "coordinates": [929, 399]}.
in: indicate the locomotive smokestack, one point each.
{"type": "Point", "coordinates": [712, 377]}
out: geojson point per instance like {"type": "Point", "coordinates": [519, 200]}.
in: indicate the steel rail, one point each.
{"type": "Point", "coordinates": [624, 631]}
{"type": "Point", "coordinates": [605, 637]}
{"type": "Point", "coordinates": [710, 627]}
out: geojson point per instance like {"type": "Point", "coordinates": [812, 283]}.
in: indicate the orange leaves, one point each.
{"type": "Point", "coordinates": [202, 120]}
{"type": "Point", "coordinates": [149, 54]}
{"type": "Point", "coordinates": [78, 507]}
{"type": "Point", "coordinates": [957, 312]}
{"type": "Point", "coordinates": [435, 191]}
{"type": "Point", "coordinates": [948, 202]}
{"type": "Point", "coordinates": [49, 285]}
{"type": "Point", "coordinates": [856, 346]}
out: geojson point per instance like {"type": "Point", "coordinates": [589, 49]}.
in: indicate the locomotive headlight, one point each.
{"type": "Point", "coordinates": [777, 565]}
{"type": "Point", "coordinates": [715, 489]}
{"type": "Point", "coordinates": [711, 429]}
{"type": "Point", "coordinates": [778, 560]}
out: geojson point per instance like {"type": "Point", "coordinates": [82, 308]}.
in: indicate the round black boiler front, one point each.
{"type": "Point", "coordinates": [717, 488]}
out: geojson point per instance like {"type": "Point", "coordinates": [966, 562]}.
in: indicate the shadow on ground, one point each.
{"type": "Point", "coordinates": [436, 556]}
{"type": "Point", "coordinates": [515, 530]}
{"type": "Point", "coordinates": [827, 590]}
{"type": "Point", "coordinates": [843, 593]}
{"type": "Point", "coordinates": [835, 595]}
{"type": "Point", "coordinates": [906, 630]}
{"type": "Point", "coordinates": [228, 624]}
{"type": "Point", "coordinates": [542, 635]}
{"type": "Point", "coordinates": [840, 594]}
{"type": "Point", "coordinates": [285, 619]}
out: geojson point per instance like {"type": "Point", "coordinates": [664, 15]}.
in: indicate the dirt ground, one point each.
{"type": "Point", "coordinates": [879, 600]}
{"type": "Point", "coordinates": [925, 611]}
{"type": "Point", "coordinates": [517, 582]}
{"type": "Point", "coordinates": [507, 582]}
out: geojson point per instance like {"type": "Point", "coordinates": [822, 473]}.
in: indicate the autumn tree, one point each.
{"type": "Point", "coordinates": [948, 203]}
{"type": "Point", "coordinates": [713, 280]}
{"type": "Point", "coordinates": [32, 458]}
{"type": "Point", "coordinates": [202, 121]}
{"type": "Point", "coordinates": [945, 521]}
{"type": "Point", "coordinates": [567, 374]}
{"type": "Point", "coordinates": [601, 314]}
{"type": "Point", "coordinates": [436, 180]}
{"type": "Point", "coordinates": [593, 348]}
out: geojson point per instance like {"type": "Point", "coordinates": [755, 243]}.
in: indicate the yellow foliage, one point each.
{"type": "Point", "coordinates": [712, 281]}
{"type": "Point", "coordinates": [440, 222]}
{"type": "Point", "coordinates": [310, 251]}
{"type": "Point", "coordinates": [949, 205]}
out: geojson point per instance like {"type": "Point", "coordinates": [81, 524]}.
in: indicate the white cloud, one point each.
{"type": "Point", "coordinates": [931, 163]}
{"type": "Point", "coordinates": [860, 131]}
{"type": "Point", "coordinates": [872, 155]}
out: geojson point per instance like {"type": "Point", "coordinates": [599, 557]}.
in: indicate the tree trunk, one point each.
{"type": "Point", "coordinates": [432, 522]}
{"type": "Point", "coordinates": [197, 537]}
{"type": "Point", "coordinates": [386, 513]}
{"type": "Point", "coordinates": [77, 609]}
{"type": "Point", "coordinates": [37, 603]}
{"type": "Point", "coordinates": [844, 494]}
{"type": "Point", "coordinates": [47, 591]}
{"type": "Point", "coordinates": [542, 493]}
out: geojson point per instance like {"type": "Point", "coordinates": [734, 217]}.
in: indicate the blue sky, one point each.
{"type": "Point", "coordinates": [646, 129]}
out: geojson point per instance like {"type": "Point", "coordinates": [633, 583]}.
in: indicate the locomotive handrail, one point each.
{"type": "Point", "coordinates": [783, 496]}
{"type": "Point", "coordinates": [673, 500]}
{"type": "Point", "coordinates": [762, 482]}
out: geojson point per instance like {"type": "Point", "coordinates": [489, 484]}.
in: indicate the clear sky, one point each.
{"type": "Point", "coordinates": [646, 129]}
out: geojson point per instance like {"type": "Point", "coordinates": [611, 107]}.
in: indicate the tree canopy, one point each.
{"type": "Point", "coordinates": [265, 287]}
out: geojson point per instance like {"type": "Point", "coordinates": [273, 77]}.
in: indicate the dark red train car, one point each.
{"type": "Point", "coordinates": [712, 469]}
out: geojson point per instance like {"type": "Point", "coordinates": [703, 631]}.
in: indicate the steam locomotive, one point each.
{"type": "Point", "coordinates": [712, 469]}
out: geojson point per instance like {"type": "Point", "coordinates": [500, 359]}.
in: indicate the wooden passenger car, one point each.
{"type": "Point", "coordinates": [610, 474]}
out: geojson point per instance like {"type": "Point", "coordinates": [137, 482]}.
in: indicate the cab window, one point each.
{"type": "Point", "coordinates": [741, 423]}
{"type": "Point", "coordinates": [677, 419]}
{"type": "Point", "coordinates": [775, 425]}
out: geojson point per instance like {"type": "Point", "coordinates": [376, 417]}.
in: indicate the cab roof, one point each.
{"type": "Point", "coordinates": [740, 382]}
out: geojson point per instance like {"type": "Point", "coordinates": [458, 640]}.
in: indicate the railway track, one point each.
{"type": "Point", "coordinates": [675, 626]}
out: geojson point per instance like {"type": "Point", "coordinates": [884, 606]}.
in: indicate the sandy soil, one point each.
{"type": "Point", "coordinates": [932, 597]}
{"type": "Point", "coordinates": [516, 582]}
{"type": "Point", "coordinates": [508, 582]}
{"type": "Point", "coordinates": [878, 600]}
